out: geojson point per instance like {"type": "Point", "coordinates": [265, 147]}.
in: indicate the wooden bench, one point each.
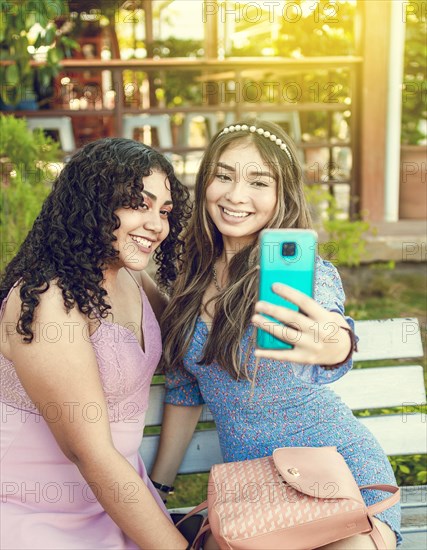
{"type": "Point", "coordinates": [403, 433]}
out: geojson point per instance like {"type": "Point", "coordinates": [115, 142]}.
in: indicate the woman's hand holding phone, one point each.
{"type": "Point", "coordinates": [316, 335]}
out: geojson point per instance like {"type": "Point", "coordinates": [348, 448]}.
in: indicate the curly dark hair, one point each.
{"type": "Point", "coordinates": [71, 240]}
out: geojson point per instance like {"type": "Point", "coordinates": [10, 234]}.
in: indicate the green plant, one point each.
{"type": "Point", "coordinates": [23, 147]}
{"type": "Point", "coordinates": [414, 76]}
{"type": "Point", "coordinates": [27, 170]}
{"type": "Point", "coordinates": [410, 470]}
{"type": "Point", "coordinates": [345, 242]}
{"type": "Point", "coordinates": [24, 25]}
{"type": "Point", "coordinates": [179, 87]}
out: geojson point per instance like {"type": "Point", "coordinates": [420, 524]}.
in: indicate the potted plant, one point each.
{"type": "Point", "coordinates": [27, 28]}
{"type": "Point", "coordinates": [413, 159]}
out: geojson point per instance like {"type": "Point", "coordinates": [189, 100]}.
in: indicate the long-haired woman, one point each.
{"type": "Point", "coordinates": [250, 179]}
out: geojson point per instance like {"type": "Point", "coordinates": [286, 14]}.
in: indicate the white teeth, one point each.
{"type": "Point", "coordinates": [236, 214]}
{"type": "Point", "coordinates": [140, 240]}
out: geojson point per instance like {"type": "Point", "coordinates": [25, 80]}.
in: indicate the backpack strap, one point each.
{"type": "Point", "coordinates": [199, 508]}
{"type": "Point", "coordinates": [374, 509]}
{"type": "Point", "coordinates": [199, 538]}
{"type": "Point", "coordinates": [377, 537]}
{"type": "Point", "coordinates": [387, 502]}
{"type": "Point", "coordinates": [204, 528]}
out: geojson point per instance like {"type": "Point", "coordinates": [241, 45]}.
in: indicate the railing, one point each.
{"type": "Point", "coordinates": [214, 77]}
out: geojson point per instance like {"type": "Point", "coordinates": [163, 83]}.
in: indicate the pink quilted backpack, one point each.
{"type": "Point", "coordinates": [298, 499]}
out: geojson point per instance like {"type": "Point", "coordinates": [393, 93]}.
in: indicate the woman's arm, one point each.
{"type": "Point", "coordinates": [63, 370]}
{"type": "Point", "coordinates": [178, 425]}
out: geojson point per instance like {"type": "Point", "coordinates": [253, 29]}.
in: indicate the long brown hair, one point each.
{"type": "Point", "coordinates": [203, 245]}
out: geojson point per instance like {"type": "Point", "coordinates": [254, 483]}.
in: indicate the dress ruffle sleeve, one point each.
{"type": "Point", "coordinates": [182, 388]}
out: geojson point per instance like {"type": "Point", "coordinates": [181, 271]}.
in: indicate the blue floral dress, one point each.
{"type": "Point", "coordinates": [291, 404]}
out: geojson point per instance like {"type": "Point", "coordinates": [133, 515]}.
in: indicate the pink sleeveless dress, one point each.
{"type": "Point", "coordinates": [45, 501]}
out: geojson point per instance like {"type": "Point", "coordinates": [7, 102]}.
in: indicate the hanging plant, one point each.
{"type": "Point", "coordinates": [26, 29]}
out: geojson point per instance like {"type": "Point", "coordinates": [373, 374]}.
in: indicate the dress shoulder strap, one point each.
{"type": "Point", "coordinates": [132, 277]}
{"type": "Point", "coordinates": [3, 304]}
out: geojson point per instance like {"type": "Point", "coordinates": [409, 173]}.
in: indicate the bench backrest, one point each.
{"type": "Point", "coordinates": [362, 388]}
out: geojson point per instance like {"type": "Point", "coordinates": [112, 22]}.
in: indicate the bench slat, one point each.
{"type": "Point", "coordinates": [397, 435]}
{"type": "Point", "coordinates": [414, 495]}
{"type": "Point", "coordinates": [202, 453]}
{"type": "Point", "coordinates": [388, 339]}
{"type": "Point", "coordinates": [414, 514]}
{"type": "Point", "coordinates": [375, 388]}
{"type": "Point", "coordinates": [414, 541]}
{"type": "Point", "coordinates": [369, 388]}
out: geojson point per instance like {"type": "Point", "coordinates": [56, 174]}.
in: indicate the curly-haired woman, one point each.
{"type": "Point", "coordinates": [80, 343]}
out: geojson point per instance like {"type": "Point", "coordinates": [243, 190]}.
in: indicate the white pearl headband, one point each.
{"type": "Point", "coordinates": [252, 129]}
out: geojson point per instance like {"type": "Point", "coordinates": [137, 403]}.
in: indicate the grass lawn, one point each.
{"type": "Point", "coordinates": [373, 292]}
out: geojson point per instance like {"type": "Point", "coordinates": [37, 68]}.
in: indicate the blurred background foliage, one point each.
{"type": "Point", "coordinates": [414, 108]}
{"type": "Point", "coordinates": [174, 89]}
{"type": "Point", "coordinates": [318, 29]}
{"type": "Point", "coordinates": [29, 163]}
{"type": "Point", "coordinates": [27, 27]}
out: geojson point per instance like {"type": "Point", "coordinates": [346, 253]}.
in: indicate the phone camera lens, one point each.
{"type": "Point", "coordinates": [289, 249]}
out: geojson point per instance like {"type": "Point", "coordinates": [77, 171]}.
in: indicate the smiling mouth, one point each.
{"type": "Point", "coordinates": [235, 214]}
{"type": "Point", "coordinates": [146, 243]}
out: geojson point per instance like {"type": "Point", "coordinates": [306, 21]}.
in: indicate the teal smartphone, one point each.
{"type": "Point", "coordinates": [286, 256]}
